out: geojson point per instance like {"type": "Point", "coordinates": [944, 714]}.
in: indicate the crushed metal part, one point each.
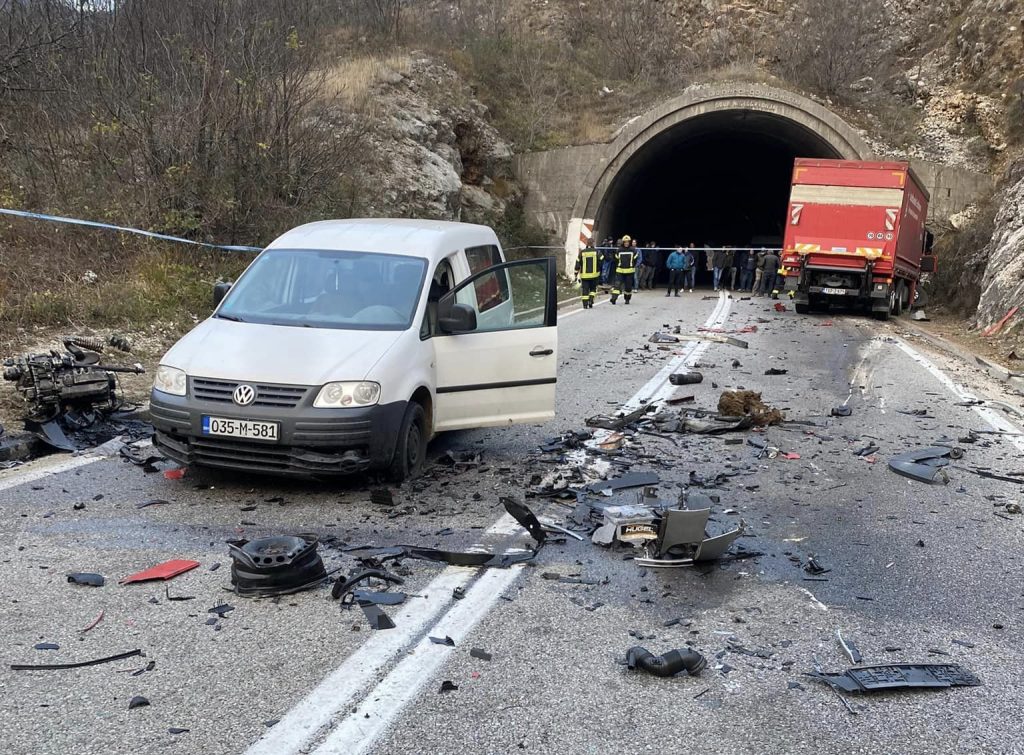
{"type": "Point", "coordinates": [667, 664]}
{"type": "Point", "coordinates": [685, 378]}
{"type": "Point", "coordinates": [898, 676]}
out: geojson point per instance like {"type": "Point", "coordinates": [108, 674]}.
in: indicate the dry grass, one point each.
{"type": "Point", "coordinates": [352, 79]}
{"type": "Point", "coordinates": [590, 128]}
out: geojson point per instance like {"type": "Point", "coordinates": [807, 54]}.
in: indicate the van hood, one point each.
{"type": "Point", "coordinates": [253, 352]}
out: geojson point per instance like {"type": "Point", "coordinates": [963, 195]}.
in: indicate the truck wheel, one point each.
{"type": "Point", "coordinates": [897, 297]}
{"type": "Point", "coordinates": [411, 447]}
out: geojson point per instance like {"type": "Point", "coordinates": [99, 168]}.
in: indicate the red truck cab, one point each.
{"type": "Point", "coordinates": [856, 235]}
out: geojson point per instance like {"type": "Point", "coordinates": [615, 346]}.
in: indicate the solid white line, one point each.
{"type": "Point", "coordinates": [994, 419]}
{"type": "Point", "coordinates": [12, 478]}
{"type": "Point", "coordinates": [335, 697]}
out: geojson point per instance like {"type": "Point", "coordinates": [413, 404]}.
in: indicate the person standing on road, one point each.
{"type": "Point", "coordinates": [588, 272]}
{"type": "Point", "coordinates": [771, 269]}
{"type": "Point", "coordinates": [747, 274]}
{"type": "Point", "coordinates": [720, 260]}
{"type": "Point", "coordinates": [651, 259]}
{"type": "Point", "coordinates": [675, 264]}
{"type": "Point", "coordinates": [731, 267]}
{"type": "Point", "coordinates": [639, 252]}
{"type": "Point", "coordinates": [689, 266]}
{"type": "Point", "coordinates": [625, 269]}
{"type": "Point", "coordinates": [607, 261]}
{"type": "Point", "coordinates": [758, 273]}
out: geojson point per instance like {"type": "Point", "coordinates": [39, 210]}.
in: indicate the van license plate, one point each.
{"type": "Point", "coordinates": [834, 291]}
{"type": "Point", "coordinates": [240, 428]}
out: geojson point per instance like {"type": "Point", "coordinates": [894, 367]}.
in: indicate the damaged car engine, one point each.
{"type": "Point", "coordinates": [56, 383]}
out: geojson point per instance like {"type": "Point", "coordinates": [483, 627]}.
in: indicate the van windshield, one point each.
{"type": "Point", "coordinates": [327, 289]}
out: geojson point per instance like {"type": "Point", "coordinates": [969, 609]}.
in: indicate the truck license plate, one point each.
{"type": "Point", "coordinates": [834, 291]}
{"type": "Point", "coordinates": [240, 428]}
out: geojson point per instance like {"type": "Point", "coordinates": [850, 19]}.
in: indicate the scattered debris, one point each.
{"type": "Point", "coordinates": [151, 502]}
{"type": "Point", "coordinates": [683, 540]}
{"type": "Point", "coordinates": [849, 648]}
{"type": "Point", "coordinates": [480, 653]}
{"type": "Point", "coordinates": [87, 578]}
{"type": "Point", "coordinates": [379, 598]}
{"type": "Point", "coordinates": [382, 496]}
{"type": "Point", "coordinates": [841, 411]}
{"type": "Point", "coordinates": [166, 570]}
{"type": "Point", "coordinates": [619, 422]}
{"type": "Point", "coordinates": [926, 464]}
{"type": "Point", "coordinates": [776, 371]}
{"type": "Point", "coordinates": [686, 378]}
{"type": "Point", "coordinates": [272, 566]}
{"type": "Point", "coordinates": [668, 664]}
{"type": "Point", "coordinates": [178, 730]}
{"type": "Point", "coordinates": [631, 480]}
{"type": "Point", "coordinates": [376, 617]}
{"type": "Point", "coordinates": [46, 646]}
{"type": "Point", "coordinates": [748, 403]}
{"type": "Point", "coordinates": [174, 474]}
{"type": "Point", "coordinates": [631, 524]}
{"type": "Point", "coordinates": [96, 621]}
{"type": "Point", "coordinates": [448, 686]}
{"type": "Point", "coordinates": [897, 676]}
{"type": "Point", "coordinates": [80, 664]}
{"type": "Point", "coordinates": [137, 702]}
{"type": "Point", "coordinates": [446, 640]}
{"type": "Point", "coordinates": [221, 610]}
{"type": "Point", "coordinates": [341, 589]}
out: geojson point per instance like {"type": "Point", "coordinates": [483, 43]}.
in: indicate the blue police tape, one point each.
{"type": "Point", "coordinates": [123, 229]}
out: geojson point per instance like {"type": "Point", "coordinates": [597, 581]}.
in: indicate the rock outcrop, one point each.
{"type": "Point", "coordinates": [1003, 282]}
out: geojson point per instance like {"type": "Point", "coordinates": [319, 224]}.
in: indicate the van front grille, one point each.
{"type": "Point", "coordinates": [221, 391]}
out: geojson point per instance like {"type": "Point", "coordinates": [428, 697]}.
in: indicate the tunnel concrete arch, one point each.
{"type": "Point", "coordinates": [710, 166]}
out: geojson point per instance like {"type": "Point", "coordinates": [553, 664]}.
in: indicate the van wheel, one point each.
{"type": "Point", "coordinates": [802, 309]}
{"type": "Point", "coordinates": [411, 447]}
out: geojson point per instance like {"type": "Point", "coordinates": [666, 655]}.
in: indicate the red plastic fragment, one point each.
{"type": "Point", "coordinates": [780, 307]}
{"type": "Point", "coordinates": [166, 570]}
{"type": "Point", "coordinates": [174, 474]}
{"type": "Point", "coordinates": [791, 456]}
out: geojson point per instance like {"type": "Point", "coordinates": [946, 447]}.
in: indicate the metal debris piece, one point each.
{"type": "Point", "coordinates": [80, 664]}
{"type": "Point", "coordinates": [94, 623]}
{"type": "Point", "coordinates": [342, 588]}
{"type": "Point", "coordinates": [898, 676]}
{"type": "Point", "coordinates": [379, 598]}
{"type": "Point", "coordinates": [629, 524]}
{"type": "Point", "coordinates": [841, 411]}
{"type": "Point", "coordinates": [526, 518]}
{"type": "Point", "coordinates": [221, 610]}
{"type": "Point", "coordinates": [272, 566]}
{"type": "Point", "coordinates": [46, 646]}
{"type": "Point", "coordinates": [686, 378]}
{"type": "Point", "coordinates": [166, 570]}
{"type": "Point", "coordinates": [86, 578]}
{"type": "Point", "coordinates": [448, 686]}
{"type": "Point", "coordinates": [926, 464]}
{"type": "Point", "coordinates": [137, 702]}
{"type": "Point", "coordinates": [480, 653]}
{"type": "Point", "coordinates": [667, 664]}
{"type": "Point", "coordinates": [446, 640]}
{"type": "Point", "coordinates": [776, 371]}
{"type": "Point", "coordinates": [151, 502]}
{"type": "Point", "coordinates": [848, 647]}
{"type": "Point", "coordinates": [619, 422]}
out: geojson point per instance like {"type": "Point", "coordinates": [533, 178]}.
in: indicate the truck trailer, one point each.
{"type": "Point", "coordinates": [856, 236]}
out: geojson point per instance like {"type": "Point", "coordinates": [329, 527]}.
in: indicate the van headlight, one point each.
{"type": "Point", "coordinates": [341, 395]}
{"type": "Point", "coordinates": [170, 380]}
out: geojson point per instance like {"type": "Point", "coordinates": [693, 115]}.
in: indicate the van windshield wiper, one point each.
{"type": "Point", "coordinates": [233, 318]}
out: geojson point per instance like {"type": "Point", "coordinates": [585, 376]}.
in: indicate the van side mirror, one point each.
{"type": "Point", "coordinates": [220, 290]}
{"type": "Point", "coordinates": [460, 318]}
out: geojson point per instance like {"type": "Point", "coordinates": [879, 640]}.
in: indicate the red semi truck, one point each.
{"type": "Point", "coordinates": [856, 236]}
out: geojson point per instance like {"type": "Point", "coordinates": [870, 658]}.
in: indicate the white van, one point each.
{"type": "Point", "coordinates": [347, 344]}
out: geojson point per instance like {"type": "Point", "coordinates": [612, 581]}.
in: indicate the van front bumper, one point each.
{"type": "Point", "coordinates": [310, 442]}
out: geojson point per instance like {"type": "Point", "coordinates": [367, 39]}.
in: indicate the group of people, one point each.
{"type": "Point", "coordinates": [625, 266]}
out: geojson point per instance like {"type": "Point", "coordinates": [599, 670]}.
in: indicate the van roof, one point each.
{"type": "Point", "coordinates": [431, 239]}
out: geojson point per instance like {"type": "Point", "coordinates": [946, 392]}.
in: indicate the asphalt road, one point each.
{"type": "Point", "coordinates": [916, 573]}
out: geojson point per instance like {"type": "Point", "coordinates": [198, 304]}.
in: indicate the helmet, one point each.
{"type": "Point", "coordinates": [626, 238]}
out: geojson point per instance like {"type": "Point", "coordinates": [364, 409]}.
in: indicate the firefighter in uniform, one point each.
{"type": "Point", "coordinates": [588, 270]}
{"type": "Point", "coordinates": [625, 267]}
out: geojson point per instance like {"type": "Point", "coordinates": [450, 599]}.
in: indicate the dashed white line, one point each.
{"type": "Point", "coordinates": [12, 478]}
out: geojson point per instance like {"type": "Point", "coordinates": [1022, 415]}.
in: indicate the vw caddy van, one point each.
{"type": "Point", "coordinates": [347, 344]}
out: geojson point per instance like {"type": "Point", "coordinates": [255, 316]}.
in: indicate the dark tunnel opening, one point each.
{"type": "Point", "coordinates": [717, 179]}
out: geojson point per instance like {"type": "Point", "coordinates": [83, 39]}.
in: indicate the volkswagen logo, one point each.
{"type": "Point", "coordinates": [244, 394]}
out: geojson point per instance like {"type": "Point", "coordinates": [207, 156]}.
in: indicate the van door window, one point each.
{"type": "Point", "coordinates": [442, 282]}
{"type": "Point", "coordinates": [493, 289]}
{"type": "Point", "coordinates": [518, 300]}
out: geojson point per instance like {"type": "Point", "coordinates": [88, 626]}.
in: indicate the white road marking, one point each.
{"type": "Point", "coordinates": [994, 419]}
{"type": "Point", "coordinates": [39, 469]}
{"type": "Point", "coordinates": [331, 703]}
{"type": "Point", "coordinates": [817, 603]}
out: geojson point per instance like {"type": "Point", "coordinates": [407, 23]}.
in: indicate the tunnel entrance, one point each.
{"type": "Point", "coordinates": [718, 179]}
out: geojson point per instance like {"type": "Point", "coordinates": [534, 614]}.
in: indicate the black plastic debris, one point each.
{"type": "Point", "coordinates": [926, 464]}
{"type": "Point", "coordinates": [137, 702]}
{"type": "Point", "coordinates": [841, 411]}
{"type": "Point", "coordinates": [382, 496]}
{"type": "Point", "coordinates": [87, 578]}
{"type": "Point", "coordinates": [376, 617]}
{"type": "Point", "coordinates": [667, 664]}
{"type": "Point", "coordinates": [480, 653]}
{"type": "Point", "coordinates": [848, 647]}
{"type": "Point", "coordinates": [686, 378]}
{"type": "Point", "coordinates": [526, 518]}
{"type": "Point", "coordinates": [813, 566]}
{"type": "Point", "coordinates": [619, 422]}
{"type": "Point", "coordinates": [631, 480]}
{"type": "Point", "coordinates": [775, 371]}
{"type": "Point", "coordinates": [273, 566]}
{"type": "Point", "coordinates": [178, 730]}
{"type": "Point", "coordinates": [151, 502]}
{"type": "Point", "coordinates": [898, 676]}
{"type": "Point", "coordinates": [458, 593]}
{"type": "Point", "coordinates": [342, 588]}
{"type": "Point", "coordinates": [379, 598]}
{"type": "Point", "coordinates": [446, 640]}
{"type": "Point", "coordinates": [222, 610]}
{"type": "Point", "coordinates": [167, 594]}
{"type": "Point", "coordinates": [448, 686]}
{"type": "Point", "coordinates": [80, 664]}
{"type": "Point", "coordinates": [46, 646]}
